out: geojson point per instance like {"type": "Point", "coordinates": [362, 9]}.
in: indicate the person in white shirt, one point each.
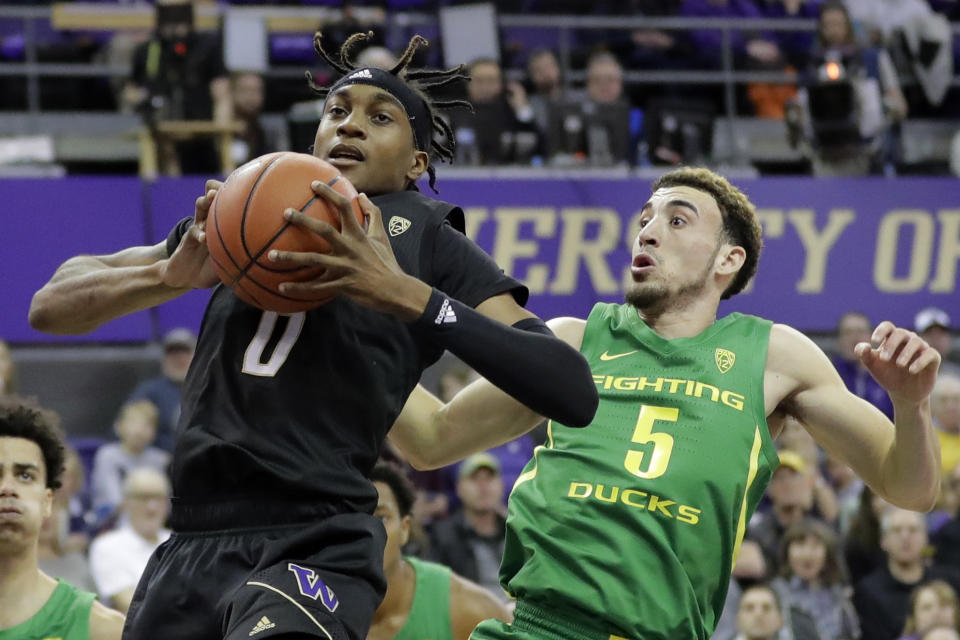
{"type": "Point", "coordinates": [118, 557]}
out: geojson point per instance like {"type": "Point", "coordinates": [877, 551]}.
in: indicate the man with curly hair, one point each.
{"type": "Point", "coordinates": [32, 604]}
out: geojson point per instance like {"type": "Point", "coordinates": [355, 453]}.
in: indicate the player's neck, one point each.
{"type": "Point", "coordinates": [683, 318]}
{"type": "Point", "coordinates": [398, 600]}
{"type": "Point", "coordinates": [23, 588]}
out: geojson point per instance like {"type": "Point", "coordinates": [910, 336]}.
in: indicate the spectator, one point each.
{"type": "Point", "coordinates": [812, 577]}
{"type": "Point", "coordinates": [544, 73]}
{"type": "Point", "coordinates": [136, 426]}
{"type": "Point", "coordinates": [945, 407]}
{"type": "Point", "coordinates": [750, 47]}
{"type": "Point", "coordinates": [760, 616]}
{"type": "Point", "coordinates": [933, 325]}
{"type": "Point", "coordinates": [791, 496]}
{"type": "Point", "coordinates": [471, 540]}
{"type": "Point", "coordinates": [932, 605]}
{"type": "Point", "coordinates": [853, 328]}
{"type": "Point", "coordinates": [179, 74]}
{"type": "Point", "coordinates": [8, 372]}
{"type": "Point", "coordinates": [247, 93]}
{"type": "Point", "coordinates": [72, 505]}
{"type": "Point", "coordinates": [377, 57]}
{"type": "Point", "coordinates": [58, 561]}
{"type": "Point", "coordinates": [164, 391]}
{"type": "Point", "coordinates": [501, 128]}
{"type": "Point", "coordinates": [796, 439]}
{"type": "Point", "coordinates": [862, 547]}
{"type": "Point", "coordinates": [32, 604]}
{"type": "Point", "coordinates": [882, 598]}
{"type": "Point", "coordinates": [946, 540]}
{"type": "Point", "coordinates": [118, 557]}
{"type": "Point", "coordinates": [847, 487]}
{"type": "Point", "coordinates": [941, 633]}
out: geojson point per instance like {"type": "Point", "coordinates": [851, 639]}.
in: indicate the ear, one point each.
{"type": "Point", "coordinates": [418, 164]}
{"type": "Point", "coordinates": [404, 530]}
{"type": "Point", "coordinates": [47, 502]}
{"type": "Point", "coordinates": [730, 260]}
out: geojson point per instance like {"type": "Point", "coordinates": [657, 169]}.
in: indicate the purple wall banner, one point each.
{"type": "Point", "coordinates": [883, 247]}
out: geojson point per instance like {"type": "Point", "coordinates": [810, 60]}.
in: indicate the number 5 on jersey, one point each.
{"type": "Point", "coordinates": [652, 461]}
{"type": "Point", "coordinates": [253, 363]}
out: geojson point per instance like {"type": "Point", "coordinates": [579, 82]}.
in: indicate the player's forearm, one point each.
{"type": "Point", "coordinates": [911, 470]}
{"type": "Point", "coordinates": [87, 292]}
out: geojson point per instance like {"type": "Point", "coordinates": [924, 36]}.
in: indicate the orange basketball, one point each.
{"type": "Point", "coordinates": [246, 221]}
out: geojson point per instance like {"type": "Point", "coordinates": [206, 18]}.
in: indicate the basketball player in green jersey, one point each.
{"type": "Point", "coordinates": [425, 600]}
{"type": "Point", "coordinates": [34, 606]}
{"type": "Point", "coordinates": [630, 527]}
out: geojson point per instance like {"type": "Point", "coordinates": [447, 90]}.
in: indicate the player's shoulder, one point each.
{"type": "Point", "coordinates": [414, 204]}
{"type": "Point", "coordinates": [105, 623]}
{"type": "Point", "coordinates": [568, 329]}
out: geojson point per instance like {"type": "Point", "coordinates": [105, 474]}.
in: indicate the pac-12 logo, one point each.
{"type": "Point", "coordinates": [724, 359]}
{"type": "Point", "coordinates": [312, 586]}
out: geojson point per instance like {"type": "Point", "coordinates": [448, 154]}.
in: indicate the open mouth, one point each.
{"type": "Point", "coordinates": [642, 264]}
{"type": "Point", "coordinates": [345, 154]}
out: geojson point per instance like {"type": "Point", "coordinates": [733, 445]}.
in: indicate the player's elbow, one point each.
{"type": "Point", "coordinates": [44, 315]}
{"type": "Point", "coordinates": [580, 400]}
{"type": "Point", "coordinates": [921, 498]}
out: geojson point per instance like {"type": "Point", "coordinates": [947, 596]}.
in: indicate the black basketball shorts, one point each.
{"type": "Point", "coordinates": [323, 580]}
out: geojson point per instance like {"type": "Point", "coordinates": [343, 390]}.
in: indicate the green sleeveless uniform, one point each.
{"type": "Point", "coordinates": [630, 526]}
{"type": "Point", "coordinates": [430, 612]}
{"type": "Point", "coordinates": [65, 616]}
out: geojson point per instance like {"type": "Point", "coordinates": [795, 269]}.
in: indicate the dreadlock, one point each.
{"type": "Point", "coordinates": [425, 82]}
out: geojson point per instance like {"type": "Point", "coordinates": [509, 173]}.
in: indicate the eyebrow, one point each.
{"type": "Point", "coordinates": [676, 202]}
{"type": "Point", "coordinates": [24, 466]}
{"type": "Point", "coordinates": [380, 96]}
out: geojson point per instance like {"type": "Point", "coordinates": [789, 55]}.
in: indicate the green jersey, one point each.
{"type": "Point", "coordinates": [430, 612]}
{"type": "Point", "coordinates": [632, 523]}
{"type": "Point", "coordinates": [65, 616]}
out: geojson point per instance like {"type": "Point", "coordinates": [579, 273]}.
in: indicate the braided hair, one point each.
{"type": "Point", "coordinates": [425, 82]}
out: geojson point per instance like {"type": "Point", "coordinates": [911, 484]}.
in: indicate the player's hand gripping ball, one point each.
{"type": "Point", "coordinates": [246, 221]}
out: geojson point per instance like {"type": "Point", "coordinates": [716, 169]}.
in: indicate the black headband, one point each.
{"type": "Point", "coordinates": [413, 104]}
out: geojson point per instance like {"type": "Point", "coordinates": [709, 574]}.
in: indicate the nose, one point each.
{"type": "Point", "coordinates": [650, 234]}
{"type": "Point", "coordinates": [7, 486]}
{"type": "Point", "coordinates": [351, 127]}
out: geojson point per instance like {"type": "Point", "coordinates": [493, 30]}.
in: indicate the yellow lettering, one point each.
{"type": "Point", "coordinates": [598, 379]}
{"type": "Point", "coordinates": [628, 493]}
{"type": "Point", "coordinates": [686, 513]}
{"type": "Point", "coordinates": [508, 246]}
{"type": "Point", "coordinates": [608, 382]}
{"type": "Point", "coordinates": [656, 386]}
{"type": "Point", "coordinates": [732, 399]}
{"type": "Point", "coordinates": [948, 253]}
{"type": "Point", "coordinates": [575, 247]}
{"type": "Point", "coordinates": [659, 504]}
{"type": "Point", "coordinates": [714, 392]}
{"type": "Point", "coordinates": [577, 487]}
{"type": "Point", "coordinates": [817, 244]}
{"type": "Point", "coordinates": [674, 384]}
{"type": "Point", "coordinates": [691, 385]}
{"type": "Point", "coordinates": [611, 498]}
{"type": "Point", "coordinates": [473, 219]}
{"type": "Point", "coordinates": [886, 254]}
{"type": "Point", "coordinates": [625, 384]}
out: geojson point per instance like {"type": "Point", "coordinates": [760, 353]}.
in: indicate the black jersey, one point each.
{"type": "Point", "coordinates": [289, 411]}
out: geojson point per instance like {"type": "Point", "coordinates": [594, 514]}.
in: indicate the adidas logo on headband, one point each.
{"type": "Point", "coordinates": [363, 73]}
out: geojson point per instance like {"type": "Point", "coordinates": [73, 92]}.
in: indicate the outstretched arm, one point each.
{"type": "Point", "coordinates": [88, 291]}
{"type": "Point", "coordinates": [432, 434]}
{"type": "Point", "coordinates": [901, 461]}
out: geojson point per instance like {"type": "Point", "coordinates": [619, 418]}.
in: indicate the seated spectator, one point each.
{"type": "Point", "coordinates": [471, 540]}
{"type": "Point", "coordinates": [853, 328]}
{"type": "Point", "coordinates": [164, 391]}
{"type": "Point", "coordinates": [58, 561]}
{"type": "Point", "coordinates": [946, 540]}
{"type": "Point", "coordinates": [543, 70]}
{"type": "Point", "coordinates": [760, 616]}
{"type": "Point", "coordinates": [882, 598]}
{"type": "Point", "coordinates": [945, 407]}
{"type": "Point", "coordinates": [795, 438]}
{"type": "Point", "coordinates": [136, 427]}
{"type": "Point", "coordinates": [596, 129]}
{"type": "Point", "coordinates": [247, 94]}
{"type": "Point", "coordinates": [791, 497]}
{"type": "Point", "coordinates": [847, 488]}
{"type": "Point", "coordinates": [861, 549]}
{"type": "Point", "coordinates": [812, 577]}
{"type": "Point", "coordinates": [118, 557]}
{"type": "Point", "coordinates": [377, 57]}
{"type": "Point", "coordinates": [71, 503]}
{"type": "Point", "coordinates": [932, 605]}
{"type": "Point", "coordinates": [501, 128]}
{"type": "Point", "coordinates": [933, 325]}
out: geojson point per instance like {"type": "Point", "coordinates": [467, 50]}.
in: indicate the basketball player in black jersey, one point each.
{"type": "Point", "coordinates": [283, 416]}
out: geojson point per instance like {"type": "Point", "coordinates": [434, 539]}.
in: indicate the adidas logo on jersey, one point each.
{"type": "Point", "coordinates": [262, 625]}
{"type": "Point", "coordinates": [363, 73]}
{"type": "Point", "coordinates": [397, 225]}
{"type": "Point", "coordinates": [446, 314]}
